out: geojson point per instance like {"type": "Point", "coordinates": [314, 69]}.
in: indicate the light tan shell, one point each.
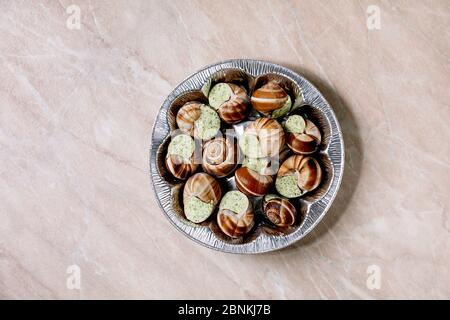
{"type": "Point", "coordinates": [271, 96]}
{"type": "Point", "coordinates": [204, 187]}
{"type": "Point", "coordinates": [305, 142]}
{"type": "Point", "coordinates": [220, 157]}
{"type": "Point", "coordinates": [270, 135]}
{"type": "Point", "coordinates": [235, 109]}
{"type": "Point", "coordinates": [187, 115]}
{"type": "Point", "coordinates": [236, 225]}
{"type": "Point", "coordinates": [280, 211]}
{"type": "Point", "coordinates": [306, 168]}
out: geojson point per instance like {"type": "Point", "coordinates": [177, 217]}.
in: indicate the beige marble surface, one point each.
{"type": "Point", "coordinates": [76, 111]}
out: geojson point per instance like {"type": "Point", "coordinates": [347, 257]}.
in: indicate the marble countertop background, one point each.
{"type": "Point", "coordinates": [78, 218]}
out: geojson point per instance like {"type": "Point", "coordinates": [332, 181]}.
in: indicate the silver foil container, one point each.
{"type": "Point", "coordinates": [311, 207]}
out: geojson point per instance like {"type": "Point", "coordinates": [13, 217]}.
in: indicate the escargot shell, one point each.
{"type": "Point", "coordinates": [267, 138]}
{"type": "Point", "coordinates": [280, 211]}
{"type": "Point", "coordinates": [269, 97]}
{"type": "Point", "coordinates": [235, 217]}
{"type": "Point", "coordinates": [220, 157]}
{"type": "Point", "coordinates": [233, 103]}
{"type": "Point", "coordinates": [305, 138]}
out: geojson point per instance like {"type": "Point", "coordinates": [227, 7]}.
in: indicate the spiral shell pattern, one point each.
{"type": "Point", "coordinates": [270, 135]}
{"type": "Point", "coordinates": [281, 212]}
{"type": "Point", "coordinates": [306, 168]}
{"type": "Point", "coordinates": [187, 115]}
{"type": "Point", "coordinates": [235, 109]}
{"type": "Point", "coordinates": [269, 97]}
{"type": "Point", "coordinates": [204, 187]}
{"type": "Point", "coordinates": [220, 157]}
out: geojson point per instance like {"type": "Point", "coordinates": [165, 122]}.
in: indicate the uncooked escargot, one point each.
{"type": "Point", "coordinates": [235, 217]}
{"type": "Point", "coordinates": [279, 210]}
{"type": "Point", "coordinates": [262, 138]}
{"type": "Point", "coordinates": [220, 156]}
{"type": "Point", "coordinates": [230, 101]}
{"type": "Point", "coordinates": [303, 136]}
{"type": "Point", "coordinates": [180, 157]}
{"type": "Point", "coordinates": [201, 195]}
{"type": "Point", "coordinates": [198, 120]}
{"type": "Point", "coordinates": [297, 175]}
{"type": "Point", "coordinates": [271, 100]}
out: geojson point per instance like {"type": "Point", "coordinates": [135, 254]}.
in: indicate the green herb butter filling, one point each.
{"type": "Point", "coordinates": [287, 186]}
{"type": "Point", "coordinates": [219, 94]}
{"type": "Point", "coordinates": [208, 124]}
{"type": "Point", "coordinates": [283, 110]}
{"type": "Point", "coordinates": [197, 211]}
{"type": "Point", "coordinates": [256, 164]}
{"type": "Point", "coordinates": [250, 146]}
{"type": "Point", "coordinates": [235, 201]}
{"type": "Point", "coordinates": [271, 196]}
{"type": "Point", "coordinates": [182, 145]}
{"type": "Point", "coordinates": [295, 124]}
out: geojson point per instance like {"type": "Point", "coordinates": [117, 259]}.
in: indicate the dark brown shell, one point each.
{"type": "Point", "coordinates": [252, 183]}
{"type": "Point", "coordinates": [281, 212]}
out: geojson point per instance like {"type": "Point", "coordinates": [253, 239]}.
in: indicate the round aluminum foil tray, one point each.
{"type": "Point", "coordinates": [315, 207]}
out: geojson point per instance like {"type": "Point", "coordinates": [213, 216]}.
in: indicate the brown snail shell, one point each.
{"type": "Point", "coordinates": [280, 211]}
{"type": "Point", "coordinates": [253, 183]}
{"type": "Point", "coordinates": [187, 115]}
{"type": "Point", "coordinates": [235, 108]}
{"type": "Point", "coordinates": [180, 168]}
{"type": "Point", "coordinates": [189, 120]}
{"type": "Point", "coordinates": [220, 157]}
{"type": "Point", "coordinates": [236, 224]}
{"type": "Point", "coordinates": [271, 96]}
{"type": "Point", "coordinates": [307, 170]}
{"type": "Point", "coordinates": [305, 142]}
{"type": "Point", "coordinates": [270, 135]}
{"type": "Point", "coordinates": [204, 187]}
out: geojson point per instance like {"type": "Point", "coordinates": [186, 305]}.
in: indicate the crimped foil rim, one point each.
{"type": "Point", "coordinates": [264, 242]}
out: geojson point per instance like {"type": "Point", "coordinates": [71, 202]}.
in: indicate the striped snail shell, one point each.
{"type": "Point", "coordinates": [280, 211]}
{"type": "Point", "coordinates": [187, 115]}
{"type": "Point", "coordinates": [198, 120]}
{"type": "Point", "coordinates": [297, 175]}
{"type": "Point", "coordinates": [220, 157]}
{"type": "Point", "coordinates": [271, 96]}
{"type": "Point", "coordinates": [204, 187]}
{"type": "Point", "coordinates": [304, 138]}
{"type": "Point", "coordinates": [181, 159]}
{"type": "Point", "coordinates": [235, 217]}
{"type": "Point", "coordinates": [231, 102]}
{"type": "Point", "coordinates": [201, 195]}
{"type": "Point", "coordinates": [267, 138]}
{"type": "Point", "coordinates": [253, 183]}
{"type": "Point", "coordinates": [180, 168]}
